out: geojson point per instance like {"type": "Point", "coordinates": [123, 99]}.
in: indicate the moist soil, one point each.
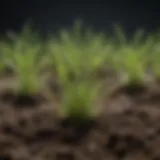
{"type": "Point", "coordinates": [127, 128]}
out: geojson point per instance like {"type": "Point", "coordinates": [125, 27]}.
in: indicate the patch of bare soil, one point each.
{"type": "Point", "coordinates": [127, 129]}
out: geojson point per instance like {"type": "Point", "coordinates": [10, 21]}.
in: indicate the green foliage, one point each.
{"type": "Point", "coordinates": [22, 56]}
{"type": "Point", "coordinates": [133, 56]}
{"type": "Point", "coordinates": [78, 52]}
{"type": "Point", "coordinates": [77, 101]}
{"type": "Point", "coordinates": [27, 70]}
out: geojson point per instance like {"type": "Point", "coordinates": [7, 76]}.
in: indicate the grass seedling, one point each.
{"type": "Point", "coordinates": [135, 57]}
{"type": "Point", "coordinates": [97, 52]}
{"type": "Point", "coordinates": [67, 56]}
{"type": "Point", "coordinates": [23, 58]}
{"type": "Point", "coordinates": [134, 65]}
{"type": "Point", "coordinates": [84, 52]}
{"type": "Point", "coordinates": [27, 70]}
{"type": "Point", "coordinates": [78, 99]}
{"type": "Point", "coordinates": [59, 59]}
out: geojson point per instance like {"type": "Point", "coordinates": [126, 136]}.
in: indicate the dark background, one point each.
{"type": "Point", "coordinates": [49, 15]}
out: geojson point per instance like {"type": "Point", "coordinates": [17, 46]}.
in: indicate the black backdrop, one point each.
{"type": "Point", "coordinates": [49, 15]}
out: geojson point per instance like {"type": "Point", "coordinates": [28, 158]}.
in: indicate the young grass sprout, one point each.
{"type": "Point", "coordinates": [27, 70]}
{"type": "Point", "coordinates": [78, 101]}
{"type": "Point", "coordinates": [135, 57]}
{"type": "Point", "coordinates": [23, 59]}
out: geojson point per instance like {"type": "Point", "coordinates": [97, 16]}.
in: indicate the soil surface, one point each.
{"type": "Point", "coordinates": [127, 129]}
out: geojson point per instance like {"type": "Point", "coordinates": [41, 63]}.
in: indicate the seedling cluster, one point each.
{"type": "Point", "coordinates": [79, 54]}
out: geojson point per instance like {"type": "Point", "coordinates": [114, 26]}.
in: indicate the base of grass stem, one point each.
{"type": "Point", "coordinates": [29, 85]}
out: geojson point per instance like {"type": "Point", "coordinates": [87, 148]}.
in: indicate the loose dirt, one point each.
{"type": "Point", "coordinates": [128, 128]}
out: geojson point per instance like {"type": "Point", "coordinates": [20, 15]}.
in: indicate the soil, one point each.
{"type": "Point", "coordinates": [128, 127]}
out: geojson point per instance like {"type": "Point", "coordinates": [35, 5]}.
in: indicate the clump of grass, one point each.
{"type": "Point", "coordinates": [79, 53]}
{"type": "Point", "coordinates": [78, 100]}
{"type": "Point", "coordinates": [27, 70]}
{"type": "Point", "coordinates": [98, 50]}
{"type": "Point", "coordinates": [23, 59]}
{"type": "Point", "coordinates": [63, 59]}
{"type": "Point", "coordinates": [134, 66]}
{"type": "Point", "coordinates": [134, 57]}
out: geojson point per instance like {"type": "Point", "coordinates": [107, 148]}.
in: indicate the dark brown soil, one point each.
{"type": "Point", "coordinates": [128, 128]}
